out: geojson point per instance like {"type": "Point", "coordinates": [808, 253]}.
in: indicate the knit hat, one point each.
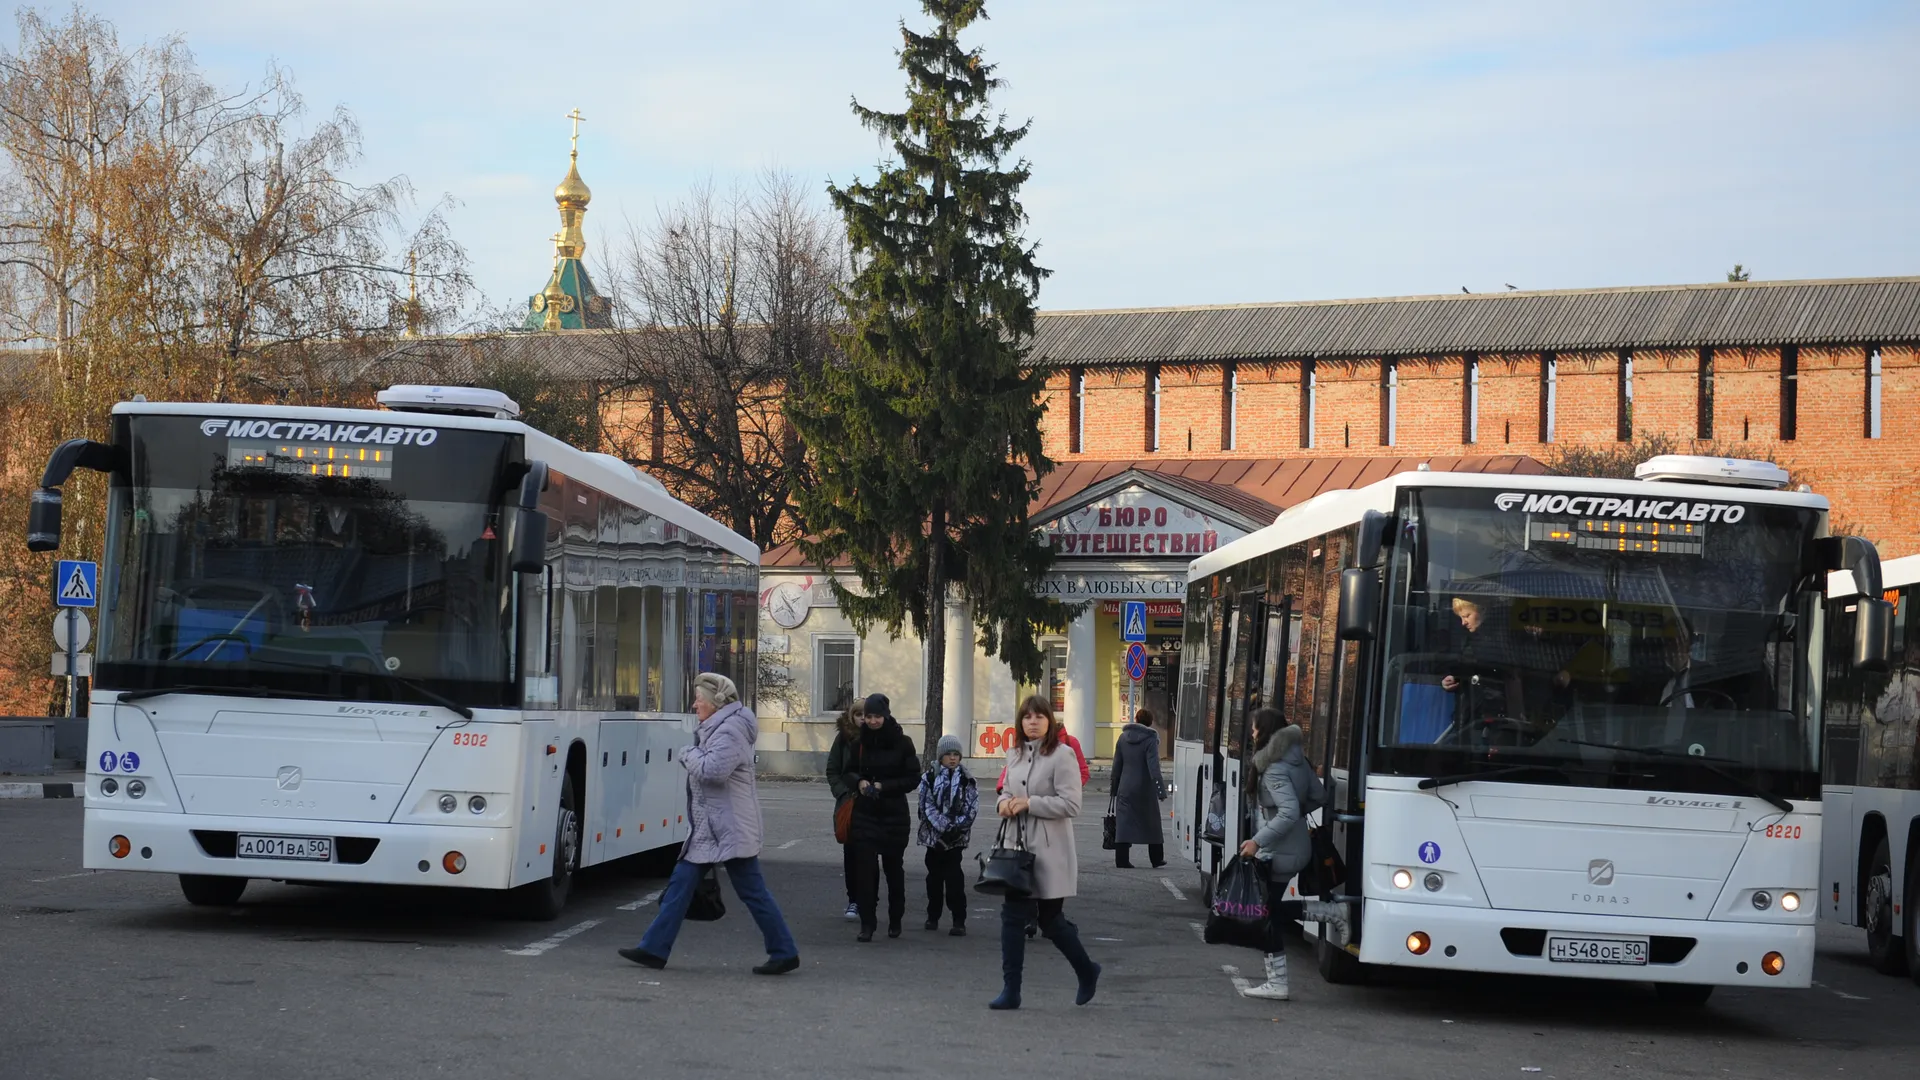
{"type": "Point", "coordinates": [949, 744]}
{"type": "Point", "coordinates": [878, 705]}
{"type": "Point", "coordinates": [716, 688]}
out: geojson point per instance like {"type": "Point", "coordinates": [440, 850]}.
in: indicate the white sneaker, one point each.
{"type": "Point", "coordinates": [853, 912]}
{"type": "Point", "coordinates": [1275, 988]}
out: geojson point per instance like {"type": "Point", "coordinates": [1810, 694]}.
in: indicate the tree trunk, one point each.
{"type": "Point", "coordinates": [936, 639]}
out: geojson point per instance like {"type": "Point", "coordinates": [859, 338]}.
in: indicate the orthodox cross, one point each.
{"type": "Point", "coordinates": [576, 118]}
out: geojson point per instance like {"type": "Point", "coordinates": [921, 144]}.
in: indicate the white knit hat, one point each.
{"type": "Point", "coordinates": [716, 688]}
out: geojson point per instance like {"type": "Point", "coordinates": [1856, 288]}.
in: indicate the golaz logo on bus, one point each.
{"type": "Point", "coordinates": [296, 431]}
{"type": "Point", "coordinates": [1602, 506]}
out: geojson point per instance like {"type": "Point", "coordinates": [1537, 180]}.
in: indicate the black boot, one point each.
{"type": "Point", "coordinates": [1013, 957]}
{"type": "Point", "coordinates": [1066, 938]}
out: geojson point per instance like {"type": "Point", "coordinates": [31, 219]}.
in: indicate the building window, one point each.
{"type": "Point", "coordinates": [1077, 410]}
{"type": "Point", "coordinates": [1873, 391]}
{"type": "Point", "coordinates": [1229, 405]}
{"type": "Point", "coordinates": [1153, 408]}
{"type": "Point", "coordinates": [1470, 432]}
{"type": "Point", "coordinates": [836, 672]}
{"type": "Point", "coordinates": [1789, 392]}
{"type": "Point", "coordinates": [1703, 396]}
{"type": "Point", "coordinates": [1623, 398]}
{"type": "Point", "coordinates": [1309, 388]}
{"type": "Point", "coordinates": [1389, 400]}
{"type": "Point", "coordinates": [1549, 386]}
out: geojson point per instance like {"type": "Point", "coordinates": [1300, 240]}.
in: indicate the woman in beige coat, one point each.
{"type": "Point", "coordinates": [1042, 797]}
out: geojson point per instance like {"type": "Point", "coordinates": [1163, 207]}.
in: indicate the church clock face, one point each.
{"type": "Point", "coordinates": [788, 605]}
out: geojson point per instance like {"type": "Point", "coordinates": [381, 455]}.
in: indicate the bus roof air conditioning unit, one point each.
{"type": "Point", "coordinates": [1692, 469]}
{"type": "Point", "coordinates": [454, 400]}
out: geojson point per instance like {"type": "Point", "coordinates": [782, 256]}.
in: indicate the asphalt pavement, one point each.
{"type": "Point", "coordinates": [111, 974]}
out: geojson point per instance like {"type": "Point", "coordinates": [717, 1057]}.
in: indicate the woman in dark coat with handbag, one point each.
{"type": "Point", "coordinates": [883, 769]}
{"type": "Point", "coordinates": [842, 787]}
{"type": "Point", "coordinates": [1137, 791]}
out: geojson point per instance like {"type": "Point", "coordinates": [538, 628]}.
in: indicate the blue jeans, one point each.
{"type": "Point", "coordinates": [747, 884]}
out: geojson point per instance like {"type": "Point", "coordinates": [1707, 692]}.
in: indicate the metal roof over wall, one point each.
{"type": "Point", "coordinates": [1765, 313]}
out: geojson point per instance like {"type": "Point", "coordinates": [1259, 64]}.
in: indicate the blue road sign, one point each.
{"type": "Point", "coordinates": [1136, 661]}
{"type": "Point", "coordinates": [76, 583]}
{"type": "Point", "coordinates": [1133, 620]}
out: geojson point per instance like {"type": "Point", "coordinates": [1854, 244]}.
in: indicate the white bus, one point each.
{"type": "Point", "coordinates": [429, 645]}
{"type": "Point", "coordinates": [1614, 774]}
{"type": "Point", "coordinates": [1870, 860]}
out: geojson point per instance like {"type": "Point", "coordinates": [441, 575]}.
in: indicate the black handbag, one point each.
{"type": "Point", "coordinates": [1007, 871]}
{"type": "Point", "coordinates": [1325, 870]}
{"type": "Point", "coordinates": [706, 905]}
{"type": "Point", "coordinates": [1107, 826]}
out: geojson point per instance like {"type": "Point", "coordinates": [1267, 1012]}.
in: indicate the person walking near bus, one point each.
{"type": "Point", "coordinates": [949, 803]}
{"type": "Point", "coordinates": [723, 805]}
{"type": "Point", "coordinates": [1137, 793]}
{"type": "Point", "coordinates": [1287, 791]}
{"type": "Point", "coordinates": [1041, 800]}
{"type": "Point", "coordinates": [837, 782]}
{"type": "Point", "coordinates": [883, 769]}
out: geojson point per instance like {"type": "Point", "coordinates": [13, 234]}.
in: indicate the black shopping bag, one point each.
{"type": "Point", "coordinates": [706, 905]}
{"type": "Point", "coordinates": [1240, 913]}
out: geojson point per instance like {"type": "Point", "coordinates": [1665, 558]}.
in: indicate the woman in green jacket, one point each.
{"type": "Point", "coordinates": [837, 768]}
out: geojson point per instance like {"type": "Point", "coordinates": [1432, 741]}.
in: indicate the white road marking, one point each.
{"type": "Point", "coordinates": [1240, 985]}
{"type": "Point", "coordinates": [1841, 993]}
{"type": "Point", "coordinates": [786, 845]}
{"type": "Point", "coordinates": [62, 877]}
{"type": "Point", "coordinates": [640, 903]}
{"type": "Point", "coordinates": [1106, 939]}
{"type": "Point", "coordinates": [1172, 888]}
{"type": "Point", "coordinates": [1199, 931]}
{"type": "Point", "coordinates": [554, 942]}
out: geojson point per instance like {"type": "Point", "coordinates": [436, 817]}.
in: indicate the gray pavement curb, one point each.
{"type": "Point", "coordinates": [61, 790]}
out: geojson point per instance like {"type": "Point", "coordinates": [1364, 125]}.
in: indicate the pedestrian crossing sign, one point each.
{"type": "Point", "coordinates": [1133, 620]}
{"type": "Point", "coordinates": [76, 583]}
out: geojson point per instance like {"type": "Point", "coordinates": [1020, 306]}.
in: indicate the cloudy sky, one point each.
{"type": "Point", "coordinates": [1183, 153]}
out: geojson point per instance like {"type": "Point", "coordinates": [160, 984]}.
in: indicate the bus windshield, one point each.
{"type": "Point", "coordinates": [358, 561]}
{"type": "Point", "coordinates": [1675, 651]}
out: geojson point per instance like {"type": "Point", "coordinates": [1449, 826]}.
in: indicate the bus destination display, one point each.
{"type": "Point", "coordinates": [312, 459]}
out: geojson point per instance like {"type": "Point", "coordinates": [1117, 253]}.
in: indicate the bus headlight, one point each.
{"type": "Point", "coordinates": [136, 788]}
{"type": "Point", "coordinates": [1762, 900]}
{"type": "Point", "coordinates": [1403, 879]}
{"type": "Point", "coordinates": [448, 804]}
{"type": "Point", "coordinates": [1434, 881]}
{"type": "Point", "coordinates": [477, 804]}
{"type": "Point", "coordinates": [1789, 901]}
{"type": "Point", "coordinates": [109, 786]}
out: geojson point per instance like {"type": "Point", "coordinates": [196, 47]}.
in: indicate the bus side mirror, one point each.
{"type": "Point", "coordinates": [1373, 536]}
{"type": "Point", "coordinates": [530, 523]}
{"type": "Point", "coordinates": [43, 520]}
{"type": "Point", "coordinates": [1872, 635]}
{"type": "Point", "coordinates": [1359, 603]}
{"type": "Point", "coordinates": [529, 541]}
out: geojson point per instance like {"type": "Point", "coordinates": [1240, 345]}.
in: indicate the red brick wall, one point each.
{"type": "Point", "coordinates": [1871, 482]}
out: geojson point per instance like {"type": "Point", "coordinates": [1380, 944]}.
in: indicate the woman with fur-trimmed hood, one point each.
{"type": "Point", "coordinates": [1286, 790]}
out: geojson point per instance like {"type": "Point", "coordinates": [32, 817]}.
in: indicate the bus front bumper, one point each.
{"type": "Point", "coordinates": [361, 852]}
{"type": "Point", "coordinates": [1516, 943]}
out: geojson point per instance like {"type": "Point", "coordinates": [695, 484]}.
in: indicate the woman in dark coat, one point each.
{"type": "Point", "coordinates": [1137, 792]}
{"type": "Point", "coordinates": [841, 785]}
{"type": "Point", "coordinates": [883, 769]}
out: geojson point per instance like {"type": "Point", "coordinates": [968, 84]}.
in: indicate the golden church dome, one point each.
{"type": "Point", "coordinates": [573, 190]}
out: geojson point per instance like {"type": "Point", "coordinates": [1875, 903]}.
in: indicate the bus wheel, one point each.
{"type": "Point", "coordinates": [1884, 950]}
{"type": "Point", "coordinates": [1682, 993]}
{"type": "Point", "coordinates": [205, 890]}
{"type": "Point", "coordinates": [542, 901]}
{"type": "Point", "coordinates": [1337, 965]}
{"type": "Point", "coordinates": [1911, 918]}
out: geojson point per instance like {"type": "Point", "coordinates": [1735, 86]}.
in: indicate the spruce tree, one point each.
{"type": "Point", "coordinates": [925, 435]}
